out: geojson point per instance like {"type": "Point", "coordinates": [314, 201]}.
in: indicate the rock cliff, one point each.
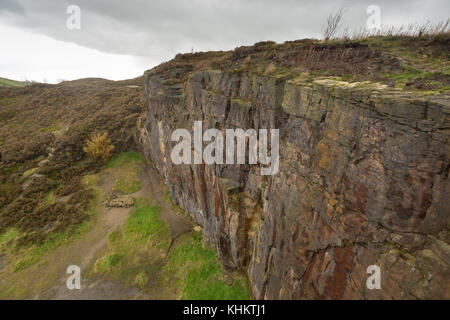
{"type": "Point", "coordinates": [363, 180]}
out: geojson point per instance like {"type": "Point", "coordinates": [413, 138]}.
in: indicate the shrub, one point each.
{"type": "Point", "coordinates": [99, 147]}
{"type": "Point", "coordinates": [332, 25]}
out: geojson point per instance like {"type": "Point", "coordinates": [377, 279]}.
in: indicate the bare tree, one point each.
{"type": "Point", "coordinates": [334, 22]}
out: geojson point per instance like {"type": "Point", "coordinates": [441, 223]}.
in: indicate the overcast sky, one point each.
{"type": "Point", "coordinates": [120, 39]}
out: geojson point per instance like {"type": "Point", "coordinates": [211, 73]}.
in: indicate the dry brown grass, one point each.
{"type": "Point", "coordinates": [412, 30]}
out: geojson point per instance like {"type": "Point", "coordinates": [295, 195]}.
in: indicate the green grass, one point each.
{"type": "Point", "coordinates": [29, 172]}
{"type": "Point", "coordinates": [49, 198]}
{"type": "Point", "coordinates": [127, 184]}
{"type": "Point", "coordinates": [8, 237]}
{"type": "Point", "coordinates": [10, 83]}
{"type": "Point", "coordinates": [192, 268]}
{"type": "Point", "coordinates": [124, 159]}
{"type": "Point", "coordinates": [49, 129]}
{"type": "Point", "coordinates": [141, 279]}
{"type": "Point", "coordinates": [108, 262]}
{"type": "Point", "coordinates": [126, 166]}
{"type": "Point", "coordinates": [32, 255]}
{"type": "Point", "coordinates": [408, 75]}
{"type": "Point", "coordinates": [195, 269]}
{"type": "Point", "coordinates": [57, 131]}
{"type": "Point", "coordinates": [141, 245]}
{"type": "Point", "coordinates": [144, 222]}
{"type": "Point", "coordinates": [114, 236]}
{"type": "Point", "coordinates": [412, 74]}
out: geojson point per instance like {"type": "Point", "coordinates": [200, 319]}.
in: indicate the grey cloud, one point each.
{"type": "Point", "coordinates": [160, 29]}
{"type": "Point", "coordinates": [10, 6]}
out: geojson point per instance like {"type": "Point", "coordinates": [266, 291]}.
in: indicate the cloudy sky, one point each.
{"type": "Point", "coordinates": [120, 39]}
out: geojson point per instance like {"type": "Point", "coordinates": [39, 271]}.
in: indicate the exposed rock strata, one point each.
{"type": "Point", "coordinates": [363, 180]}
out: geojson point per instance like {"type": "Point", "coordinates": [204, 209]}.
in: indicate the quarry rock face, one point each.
{"type": "Point", "coordinates": [362, 180]}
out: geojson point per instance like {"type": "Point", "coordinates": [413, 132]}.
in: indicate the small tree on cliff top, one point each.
{"type": "Point", "coordinates": [332, 25]}
{"type": "Point", "coordinates": [99, 147]}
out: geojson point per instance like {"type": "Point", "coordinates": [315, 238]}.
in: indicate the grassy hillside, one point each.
{"type": "Point", "coordinates": [42, 131]}
{"type": "Point", "coordinates": [10, 83]}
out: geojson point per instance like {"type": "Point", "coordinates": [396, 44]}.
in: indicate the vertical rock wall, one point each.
{"type": "Point", "coordinates": [363, 180]}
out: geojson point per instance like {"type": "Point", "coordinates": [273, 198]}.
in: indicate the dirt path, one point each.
{"type": "Point", "coordinates": [85, 251]}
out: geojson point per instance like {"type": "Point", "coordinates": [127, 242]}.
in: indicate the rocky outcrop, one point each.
{"type": "Point", "coordinates": [119, 201]}
{"type": "Point", "coordinates": [363, 180]}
